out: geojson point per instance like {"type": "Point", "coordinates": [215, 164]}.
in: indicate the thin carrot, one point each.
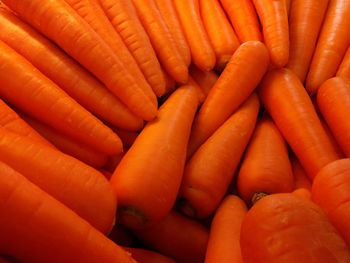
{"type": "Point", "coordinates": [305, 22]}
{"type": "Point", "coordinates": [301, 180]}
{"type": "Point", "coordinates": [205, 79]}
{"type": "Point", "coordinates": [58, 21]}
{"type": "Point", "coordinates": [35, 227]}
{"type": "Point", "coordinates": [331, 46]}
{"type": "Point", "coordinates": [210, 170]}
{"type": "Point", "coordinates": [223, 244]}
{"type": "Point", "coordinates": [266, 167]}
{"type": "Point", "coordinates": [244, 19]}
{"type": "Point", "coordinates": [148, 256]}
{"type": "Point", "coordinates": [203, 55]}
{"type": "Point", "coordinates": [283, 95]}
{"type": "Point", "coordinates": [240, 77]}
{"type": "Point", "coordinates": [274, 20]}
{"type": "Point", "coordinates": [75, 184]}
{"type": "Point", "coordinates": [344, 68]}
{"type": "Point", "coordinates": [139, 181]}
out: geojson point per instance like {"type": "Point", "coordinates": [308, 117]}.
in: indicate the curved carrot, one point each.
{"type": "Point", "coordinates": [148, 256]}
{"type": "Point", "coordinates": [244, 19]}
{"type": "Point", "coordinates": [266, 167]}
{"type": "Point", "coordinates": [205, 79]}
{"type": "Point", "coordinates": [287, 228]}
{"type": "Point", "coordinates": [75, 184]}
{"type": "Point", "coordinates": [210, 170]}
{"type": "Point", "coordinates": [331, 46]}
{"type": "Point", "coordinates": [344, 68]}
{"type": "Point", "coordinates": [291, 108]}
{"type": "Point", "coordinates": [223, 244]}
{"type": "Point", "coordinates": [35, 227]}
{"type": "Point", "coordinates": [58, 21]}
{"type": "Point", "coordinates": [305, 22]}
{"type": "Point", "coordinates": [139, 181]}
{"type": "Point", "coordinates": [240, 77]}
{"type": "Point", "coordinates": [301, 180]}
{"type": "Point", "coordinates": [203, 55]}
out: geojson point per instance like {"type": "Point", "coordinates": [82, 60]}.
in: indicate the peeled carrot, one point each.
{"type": "Point", "coordinates": [331, 46]}
{"type": "Point", "coordinates": [148, 256]}
{"type": "Point", "coordinates": [205, 79]}
{"type": "Point", "coordinates": [301, 180]}
{"type": "Point", "coordinates": [283, 95]}
{"type": "Point", "coordinates": [240, 77]}
{"type": "Point", "coordinates": [344, 68]}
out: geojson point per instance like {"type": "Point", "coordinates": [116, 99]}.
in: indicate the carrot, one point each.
{"type": "Point", "coordinates": [203, 55]}
{"type": "Point", "coordinates": [205, 79]}
{"type": "Point", "coordinates": [210, 170]}
{"type": "Point", "coordinates": [200, 92]}
{"type": "Point", "coordinates": [287, 228]}
{"type": "Point", "coordinates": [128, 138]}
{"type": "Point", "coordinates": [330, 135]}
{"type": "Point", "coordinates": [220, 32]}
{"type": "Point", "coordinates": [266, 167]}
{"type": "Point", "coordinates": [37, 95]}
{"type": "Point", "coordinates": [305, 22]}
{"type": "Point", "coordinates": [58, 21]}
{"type": "Point", "coordinates": [170, 83]}
{"type": "Point", "coordinates": [290, 107]}
{"type": "Point", "coordinates": [223, 244]}
{"type": "Point", "coordinates": [244, 19]}
{"type": "Point", "coordinates": [274, 20]}
{"type": "Point", "coordinates": [301, 180]}
{"type": "Point", "coordinates": [148, 256]}
{"type": "Point", "coordinates": [331, 46]}
{"type": "Point", "coordinates": [178, 237]}
{"type": "Point", "coordinates": [303, 193]}
{"type": "Point", "coordinates": [75, 184]}
{"type": "Point", "coordinates": [344, 68]}
{"type": "Point", "coordinates": [240, 77]}
{"type": "Point", "coordinates": [288, 6]}
{"type": "Point", "coordinates": [138, 180]}
{"type": "Point", "coordinates": [35, 227]}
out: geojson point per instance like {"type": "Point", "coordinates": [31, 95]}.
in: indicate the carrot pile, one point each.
{"type": "Point", "coordinates": [163, 131]}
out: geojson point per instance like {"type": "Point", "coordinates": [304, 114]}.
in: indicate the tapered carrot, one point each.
{"type": "Point", "coordinates": [344, 68]}
{"type": "Point", "coordinates": [244, 19]}
{"type": "Point", "coordinates": [240, 77]}
{"type": "Point", "coordinates": [210, 170]}
{"type": "Point", "coordinates": [287, 228]}
{"type": "Point", "coordinates": [301, 180]}
{"type": "Point", "coordinates": [205, 79]}
{"type": "Point", "coordinates": [266, 167]}
{"type": "Point", "coordinates": [77, 185]}
{"type": "Point", "coordinates": [178, 237]}
{"type": "Point", "coordinates": [274, 20]}
{"type": "Point", "coordinates": [58, 21]}
{"type": "Point", "coordinates": [331, 46]}
{"type": "Point", "coordinates": [283, 95]}
{"type": "Point", "coordinates": [139, 182]}
{"type": "Point", "coordinates": [305, 22]}
{"type": "Point", "coordinates": [224, 41]}
{"type": "Point", "coordinates": [202, 52]}
{"type": "Point", "coordinates": [148, 256]}
{"type": "Point", "coordinates": [36, 228]}
{"type": "Point", "coordinates": [37, 95]}
{"type": "Point", "coordinates": [223, 244]}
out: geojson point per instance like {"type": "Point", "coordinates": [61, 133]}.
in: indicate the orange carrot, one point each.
{"type": "Point", "coordinates": [36, 228]}
{"type": "Point", "coordinates": [331, 46]}
{"type": "Point", "coordinates": [148, 256]}
{"type": "Point", "coordinates": [210, 170]}
{"type": "Point", "coordinates": [203, 55]}
{"type": "Point", "coordinates": [200, 92]}
{"type": "Point", "coordinates": [330, 135]}
{"type": "Point", "coordinates": [305, 22]}
{"type": "Point", "coordinates": [266, 167]}
{"type": "Point", "coordinates": [139, 181]}
{"type": "Point", "coordinates": [344, 68]}
{"type": "Point", "coordinates": [301, 180]}
{"type": "Point", "coordinates": [223, 244]}
{"type": "Point", "coordinates": [70, 181]}
{"type": "Point", "coordinates": [205, 79]}
{"type": "Point", "coordinates": [303, 193]}
{"type": "Point", "coordinates": [288, 6]}
{"type": "Point", "coordinates": [274, 20]}
{"type": "Point", "coordinates": [283, 95]}
{"type": "Point", "coordinates": [240, 77]}
{"type": "Point", "coordinates": [58, 21]}
{"type": "Point", "coordinates": [244, 19]}
{"type": "Point", "coordinates": [220, 32]}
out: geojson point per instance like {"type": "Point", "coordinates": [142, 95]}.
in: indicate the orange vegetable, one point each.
{"type": "Point", "coordinates": [344, 68]}
{"type": "Point", "coordinates": [303, 193]}
{"type": "Point", "coordinates": [148, 256]}
{"type": "Point", "coordinates": [301, 180]}
{"type": "Point", "coordinates": [205, 79]}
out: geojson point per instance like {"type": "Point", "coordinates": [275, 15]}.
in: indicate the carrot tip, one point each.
{"type": "Point", "coordinates": [131, 217]}
{"type": "Point", "coordinates": [257, 196]}
{"type": "Point", "coordinates": [186, 208]}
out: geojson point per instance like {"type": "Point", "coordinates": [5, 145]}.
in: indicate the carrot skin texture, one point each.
{"type": "Point", "coordinates": [344, 68]}
{"type": "Point", "coordinates": [148, 256]}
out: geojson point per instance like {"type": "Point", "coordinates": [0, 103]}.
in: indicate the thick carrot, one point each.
{"type": "Point", "coordinates": [205, 79]}
{"type": "Point", "coordinates": [36, 228]}
{"type": "Point", "coordinates": [291, 108]}
{"type": "Point", "coordinates": [148, 256]}
{"type": "Point", "coordinates": [58, 21]}
{"type": "Point", "coordinates": [240, 77]}
{"type": "Point", "coordinates": [138, 180]}
{"type": "Point", "coordinates": [203, 55]}
{"type": "Point", "coordinates": [70, 181]}
{"type": "Point", "coordinates": [210, 170]}
{"type": "Point", "coordinates": [274, 20]}
{"type": "Point", "coordinates": [220, 32]}
{"type": "Point", "coordinates": [331, 46]}
{"type": "Point", "coordinates": [344, 68]}
{"type": "Point", "coordinates": [288, 228]}
{"type": "Point", "coordinates": [37, 95]}
{"type": "Point", "coordinates": [301, 180]}
{"type": "Point", "coordinates": [305, 22]}
{"type": "Point", "coordinates": [244, 19]}
{"type": "Point", "coordinates": [178, 237]}
{"type": "Point", "coordinates": [223, 244]}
